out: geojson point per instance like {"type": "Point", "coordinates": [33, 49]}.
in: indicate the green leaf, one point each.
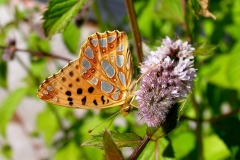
{"type": "Point", "coordinates": [171, 122]}
{"type": "Point", "coordinates": [35, 43]}
{"type": "Point", "coordinates": [121, 140]}
{"type": "Point", "coordinates": [71, 38]}
{"type": "Point", "coordinates": [232, 72]}
{"type": "Point", "coordinates": [50, 126]}
{"type": "Point", "coordinates": [110, 148]}
{"type": "Point", "coordinates": [161, 14]}
{"type": "Point", "coordinates": [6, 150]}
{"type": "Point", "coordinates": [70, 151]}
{"type": "Point", "coordinates": [157, 150]}
{"type": "Point", "coordinates": [19, 14]}
{"type": "Point", "coordinates": [3, 73]}
{"type": "Point", "coordinates": [59, 14]}
{"type": "Point", "coordinates": [183, 141]}
{"type": "Point", "coordinates": [195, 6]}
{"type": "Point", "coordinates": [214, 147]}
{"type": "Point", "coordinates": [168, 151]}
{"type": "Point", "coordinates": [3, 1]}
{"type": "Point", "coordinates": [3, 36]}
{"type": "Point", "coordinates": [227, 130]}
{"type": "Point", "coordinates": [9, 106]}
{"type": "Point", "coordinates": [215, 72]}
{"type": "Point", "coordinates": [204, 49]}
{"type": "Point", "coordinates": [224, 69]}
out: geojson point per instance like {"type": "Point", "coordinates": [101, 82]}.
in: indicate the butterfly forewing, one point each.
{"type": "Point", "coordinates": [99, 78]}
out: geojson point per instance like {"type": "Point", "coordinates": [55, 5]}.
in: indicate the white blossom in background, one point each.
{"type": "Point", "coordinates": [168, 78]}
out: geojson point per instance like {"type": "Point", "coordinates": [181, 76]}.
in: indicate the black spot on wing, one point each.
{"type": "Point", "coordinates": [103, 101]}
{"type": "Point", "coordinates": [95, 102]}
{"type": "Point", "coordinates": [68, 93]}
{"type": "Point", "coordinates": [84, 99]}
{"type": "Point", "coordinates": [90, 89]}
{"type": "Point", "coordinates": [79, 91]}
{"type": "Point", "coordinates": [71, 73]}
{"type": "Point", "coordinates": [63, 79]}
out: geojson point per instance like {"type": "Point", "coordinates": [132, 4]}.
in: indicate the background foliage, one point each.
{"type": "Point", "coordinates": [209, 126]}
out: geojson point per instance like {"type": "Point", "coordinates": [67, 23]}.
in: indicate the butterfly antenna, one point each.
{"type": "Point", "coordinates": [114, 115]}
{"type": "Point", "coordinates": [113, 119]}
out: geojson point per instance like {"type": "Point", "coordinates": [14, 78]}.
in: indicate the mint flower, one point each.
{"type": "Point", "coordinates": [168, 78]}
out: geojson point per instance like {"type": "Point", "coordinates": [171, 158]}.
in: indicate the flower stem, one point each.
{"type": "Point", "coordinates": [134, 28]}
{"type": "Point", "coordinates": [138, 150]}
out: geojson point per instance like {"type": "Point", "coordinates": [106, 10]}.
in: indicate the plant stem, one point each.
{"type": "Point", "coordinates": [39, 53]}
{"type": "Point", "coordinates": [134, 28]}
{"type": "Point", "coordinates": [214, 119]}
{"type": "Point", "coordinates": [186, 18]}
{"type": "Point", "coordinates": [137, 151]}
{"type": "Point", "coordinates": [198, 130]}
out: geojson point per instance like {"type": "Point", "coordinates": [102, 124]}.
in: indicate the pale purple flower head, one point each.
{"type": "Point", "coordinates": [168, 78]}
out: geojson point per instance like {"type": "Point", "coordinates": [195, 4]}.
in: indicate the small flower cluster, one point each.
{"type": "Point", "coordinates": [168, 77]}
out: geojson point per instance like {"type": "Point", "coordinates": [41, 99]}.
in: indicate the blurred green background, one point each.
{"type": "Point", "coordinates": [32, 129]}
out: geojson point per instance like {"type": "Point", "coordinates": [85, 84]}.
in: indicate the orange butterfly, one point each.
{"type": "Point", "coordinates": [99, 78]}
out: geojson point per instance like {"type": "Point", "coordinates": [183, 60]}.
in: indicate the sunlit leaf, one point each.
{"type": "Point", "coordinates": [9, 105]}
{"type": "Point", "coordinates": [110, 148]}
{"type": "Point", "coordinates": [49, 127]}
{"type": "Point", "coordinates": [71, 38]}
{"type": "Point", "coordinates": [120, 139]}
{"type": "Point", "coordinates": [223, 71]}
{"type": "Point", "coordinates": [3, 1]}
{"type": "Point", "coordinates": [59, 14]}
{"type": "Point", "coordinates": [3, 36]}
{"type": "Point", "coordinates": [233, 67]}
{"type": "Point", "coordinates": [183, 142]}
{"type": "Point", "coordinates": [35, 43]}
{"type": "Point", "coordinates": [70, 151]}
{"type": "Point", "coordinates": [204, 49]}
{"type": "Point", "coordinates": [19, 14]}
{"type": "Point", "coordinates": [161, 17]}
{"type": "Point", "coordinates": [219, 152]}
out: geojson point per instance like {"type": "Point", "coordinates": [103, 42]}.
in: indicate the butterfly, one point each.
{"type": "Point", "coordinates": [101, 77]}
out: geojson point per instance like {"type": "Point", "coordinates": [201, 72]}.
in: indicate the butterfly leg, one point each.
{"type": "Point", "coordinates": [131, 102]}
